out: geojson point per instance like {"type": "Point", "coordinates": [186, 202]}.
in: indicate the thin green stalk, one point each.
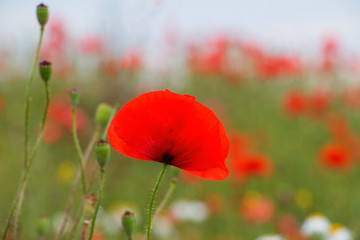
{"type": "Point", "coordinates": [16, 208]}
{"type": "Point", "coordinates": [76, 221]}
{"type": "Point", "coordinates": [78, 149]}
{"type": "Point", "coordinates": [102, 173]}
{"type": "Point", "coordinates": [153, 199]}
{"type": "Point", "coordinates": [28, 95]}
{"type": "Point", "coordinates": [43, 121]}
{"type": "Point", "coordinates": [91, 144]}
{"type": "Point", "coordinates": [166, 198]}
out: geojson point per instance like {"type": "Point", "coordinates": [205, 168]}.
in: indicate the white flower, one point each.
{"type": "Point", "coordinates": [184, 210]}
{"type": "Point", "coordinates": [339, 232]}
{"type": "Point", "coordinates": [164, 227]}
{"type": "Point", "coordinates": [270, 237]}
{"type": "Point", "coordinates": [316, 224]}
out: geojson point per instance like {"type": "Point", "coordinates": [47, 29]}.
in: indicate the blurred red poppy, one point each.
{"type": "Point", "coordinates": [251, 164]}
{"type": "Point", "coordinates": [92, 45]}
{"type": "Point", "coordinates": [289, 227]}
{"type": "Point", "coordinates": [319, 101]}
{"type": "Point", "coordinates": [335, 155]}
{"type": "Point", "coordinates": [256, 209]}
{"type": "Point", "coordinates": [60, 113]}
{"type": "Point", "coordinates": [52, 132]}
{"type": "Point", "coordinates": [295, 102]}
{"type": "Point", "coordinates": [170, 128]}
{"type": "Point", "coordinates": [330, 51]}
{"type": "Point", "coordinates": [132, 60]}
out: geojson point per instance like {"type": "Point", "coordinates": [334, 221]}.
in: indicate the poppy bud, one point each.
{"type": "Point", "coordinates": [89, 207]}
{"type": "Point", "coordinates": [102, 114]}
{"type": "Point", "coordinates": [74, 97]}
{"type": "Point", "coordinates": [43, 224]}
{"type": "Point", "coordinates": [128, 222]}
{"type": "Point", "coordinates": [102, 151]}
{"type": "Point", "coordinates": [42, 13]}
{"type": "Point", "coordinates": [45, 70]}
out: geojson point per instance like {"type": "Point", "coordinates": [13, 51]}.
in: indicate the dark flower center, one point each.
{"type": "Point", "coordinates": [167, 158]}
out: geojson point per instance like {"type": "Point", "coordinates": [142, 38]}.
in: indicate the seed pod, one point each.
{"type": "Point", "coordinates": [42, 13]}
{"type": "Point", "coordinates": [89, 207]}
{"type": "Point", "coordinates": [74, 97]}
{"type": "Point", "coordinates": [102, 151]}
{"type": "Point", "coordinates": [128, 222]}
{"type": "Point", "coordinates": [45, 70]}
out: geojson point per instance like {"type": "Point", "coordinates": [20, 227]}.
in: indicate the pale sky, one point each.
{"type": "Point", "coordinates": [292, 24]}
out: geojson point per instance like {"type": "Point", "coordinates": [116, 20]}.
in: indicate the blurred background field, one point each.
{"type": "Point", "coordinates": [291, 109]}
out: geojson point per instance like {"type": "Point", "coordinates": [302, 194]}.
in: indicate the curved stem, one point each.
{"type": "Point", "coordinates": [78, 149]}
{"type": "Point", "coordinates": [16, 208]}
{"type": "Point", "coordinates": [102, 173]}
{"type": "Point", "coordinates": [166, 198]}
{"type": "Point", "coordinates": [91, 144]}
{"type": "Point", "coordinates": [153, 198]}
{"type": "Point", "coordinates": [27, 103]}
{"type": "Point", "coordinates": [39, 138]}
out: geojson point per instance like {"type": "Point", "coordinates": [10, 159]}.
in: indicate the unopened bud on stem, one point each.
{"type": "Point", "coordinates": [89, 207]}
{"type": "Point", "coordinates": [42, 13]}
{"type": "Point", "coordinates": [43, 225]}
{"type": "Point", "coordinates": [102, 114]}
{"type": "Point", "coordinates": [45, 70]}
{"type": "Point", "coordinates": [102, 151]}
{"type": "Point", "coordinates": [128, 222]}
{"type": "Point", "coordinates": [74, 97]}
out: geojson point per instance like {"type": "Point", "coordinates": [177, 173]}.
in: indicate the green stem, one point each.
{"type": "Point", "coordinates": [78, 149]}
{"type": "Point", "coordinates": [42, 128]}
{"type": "Point", "coordinates": [166, 198]}
{"type": "Point", "coordinates": [102, 173]}
{"type": "Point", "coordinates": [153, 199]}
{"type": "Point", "coordinates": [76, 181]}
{"type": "Point", "coordinates": [27, 104]}
{"type": "Point", "coordinates": [16, 208]}
{"type": "Point", "coordinates": [76, 221]}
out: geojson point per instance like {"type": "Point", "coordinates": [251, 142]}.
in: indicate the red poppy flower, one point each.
{"type": "Point", "coordinates": [170, 128]}
{"type": "Point", "coordinates": [319, 101]}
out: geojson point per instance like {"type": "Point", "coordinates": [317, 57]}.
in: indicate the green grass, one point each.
{"type": "Point", "coordinates": [251, 107]}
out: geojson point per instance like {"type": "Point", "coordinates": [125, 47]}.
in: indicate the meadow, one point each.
{"type": "Point", "coordinates": [292, 125]}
